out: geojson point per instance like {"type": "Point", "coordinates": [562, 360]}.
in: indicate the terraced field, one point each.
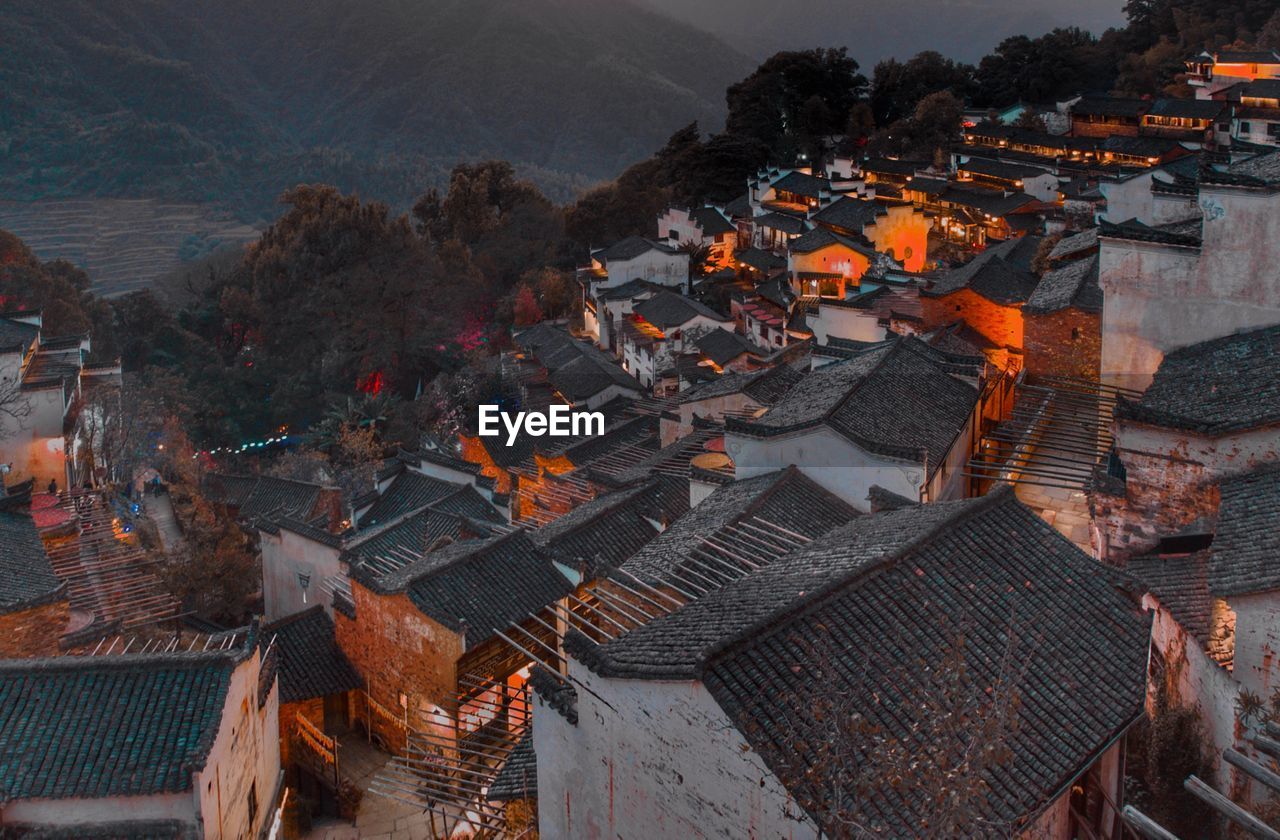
{"type": "Point", "coordinates": [124, 244]}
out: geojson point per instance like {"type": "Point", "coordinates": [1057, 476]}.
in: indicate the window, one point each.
{"type": "Point", "coordinates": [1075, 333]}
{"type": "Point", "coordinates": [1245, 128]}
{"type": "Point", "coordinates": [1273, 130]}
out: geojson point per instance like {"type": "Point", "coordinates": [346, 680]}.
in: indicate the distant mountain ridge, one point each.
{"type": "Point", "coordinates": [232, 101]}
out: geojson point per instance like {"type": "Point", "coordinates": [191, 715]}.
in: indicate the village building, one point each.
{"type": "Point", "coordinates": [658, 331]}
{"type": "Point", "coordinates": [1062, 319]}
{"type": "Point", "coordinates": [1035, 181]}
{"type": "Point", "coordinates": [987, 294]}
{"type": "Point", "coordinates": [426, 637]}
{"type": "Point", "coordinates": [1211, 72]}
{"type": "Point", "coordinates": [970, 214]}
{"type": "Point", "coordinates": [1158, 196]}
{"type": "Point", "coordinates": [733, 394]}
{"type": "Point", "coordinates": [1106, 116]}
{"type": "Point", "coordinates": [317, 692]}
{"type": "Point", "coordinates": [899, 415]}
{"type": "Point", "coordinates": [826, 264]}
{"type": "Point", "coordinates": [1255, 117]}
{"type": "Point", "coordinates": [722, 350]}
{"type": "Point", "coordinates": [42, 379]}
{"type": "Point", "coordinates": [637, 258]}
{"type": "Point", "coordinates": [165, 745]}
{"type": "Point", "coordinates": [704, 227]}
{"type": "Point", "coordinates": [889, 305]}
{"type": "Point", "coordinates": [574, 372]}
{"type": "Point", "coordinates": [1211, 412]}
{"type": "Point", "coordinates": [895, 229]}
{"type": "Point", "coordinates": [34, 606]}
{"type": "Point", "coordinates": [1216, 599]}
{"type": "Point", "coordinates": [713, 718]}
{"type": "Point", "coordinates": [603, 314]}
{"type": "Point", "coordinates": [1170, 286]}
{"type": "Point", "coordinates": [1193, 120]}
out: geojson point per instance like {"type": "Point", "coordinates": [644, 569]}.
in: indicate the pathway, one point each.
{"type": "Point", "coordinates": [160, 511]}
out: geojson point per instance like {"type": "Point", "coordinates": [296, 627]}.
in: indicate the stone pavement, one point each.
{"type": "Point", "coordinates": [1067, 510]}
{"type": "Point", "coordinates": [160, 511]}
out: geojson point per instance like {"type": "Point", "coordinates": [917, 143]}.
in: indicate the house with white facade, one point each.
{"type": "Point", "coordinates": [898, 415]}
{"type": "Point", "coordinates": [727, 715]}
{"type": "Point", "coordinates": [707, 227]}
{"type": "Point", "coordinates": [40, 383]}
{"type": "Point", "coordinates": [1255, 118]}
{"type": "Point", "coordinates": [659, 330]}
{"type": "Point", "coordinates": [637, 258]}
{"type": "Point", "coordinates": [1173, 285]}
{"type": "Point", "coordinates": [173, 745]}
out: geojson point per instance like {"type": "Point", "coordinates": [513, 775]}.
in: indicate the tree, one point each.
{"type": "Point", "coordinates": [526, 309]}
{"type": "Point", "coordinates": [934, 125]}
{"type": "Point", "coordinates": [794, 99]}
{"type": "Point", "coordinates": [898, 86]}
{"type": "Point", "coordinates": [1056, 64]}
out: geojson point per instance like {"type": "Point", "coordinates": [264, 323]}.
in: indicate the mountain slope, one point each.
{"type": "Point", "coordinates": [873, 30]}
{"type": "Point", "coordinates": [234, 100]}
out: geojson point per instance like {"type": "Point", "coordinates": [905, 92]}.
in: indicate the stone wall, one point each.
{"type": "Point", "coordinates": [1001, 325]}
{"type": "Point", "coordinates": [401, 654]}
{"type": "Point", "coordinates": [1063, 343]}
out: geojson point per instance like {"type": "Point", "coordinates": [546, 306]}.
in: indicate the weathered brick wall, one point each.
{"type": "Point", "coordinates": [398, 650]}
{"type": "Point", "coordinates": [1161, 497]}
{"type": "Point", "coordinates": [1063, 343]}
{"type": "Point", "coordinates": [33, 632]}
{"type": "Point", "coordinates": [1001, 325]}
{"type": "Point", "coordinates": [312, 710]}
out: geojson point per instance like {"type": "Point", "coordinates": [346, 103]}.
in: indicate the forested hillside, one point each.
{"type": "Point", "coordinates": [238, 100]}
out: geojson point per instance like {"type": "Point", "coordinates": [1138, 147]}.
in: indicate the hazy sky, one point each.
{"type": "Point", "coordinates": [876, 29]}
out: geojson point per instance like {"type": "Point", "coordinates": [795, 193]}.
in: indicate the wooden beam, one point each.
{"type": "Point", "coordinates": [1230, 810]}
{"type": "Point", "coordinates": [1268, 745]}
{"type": "Point", "coordinates": [1253, 769]}
{"type": "Point", "coordinates": [1144, 825]}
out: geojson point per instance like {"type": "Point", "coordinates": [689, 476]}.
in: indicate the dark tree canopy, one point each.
{"type": "Point", "coordinates": [794, 98]}
{"type": "Point", "coordinates": [897, 86]}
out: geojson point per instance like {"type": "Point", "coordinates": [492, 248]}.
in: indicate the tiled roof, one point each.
{"type": "Point", "coordinates": [849, 213]}
{"type": "Point", "coordinates": [1077, 243]}
{"type": "Point", "coordinates": [803, 184]}
{"type": "Point", "coordinates": [1185, 234]}
{"type": "Point", "coordinates": [487, 585]}
{"type": "Point", "coordinates": [1002, 169]}
{"type": "Point", "coordinates": [722, 346]}
{"type": "Point", "coordinates": [782, 222]}
{"type": "Point", "coordinates": [518, 778]}
{"type": "Point", "coordinates": [1262, 89]}
{"type": "Point", "coordinates": [311, 663]}
{"type": "Point", "coordinates": [1246, 547]}
{"type": "Point", "coordinates": [1140, 146]}
{"type": "Point", "coordinates": [787, 498]}
{"type": "Point", "coordinates": [666, 310]}
{"type": "Point", "coordinates": [1247, 57]}
{"type": "Point", "coordinates": [1259, 170]}
{"type": "Point", "coordinates": [897, 399]}
{"type": "Point", "coordinates": [609, 529]}
{"type": "Point", "coordinates": [820, 237]}
{"type": "Point", "coordinates": [891, 166]}
{"type": "Point", "coordinates": [16, 335]}
{"type": "Point", "coordinates": [26, 575]}
{"type": "Point", "coordinates": [711, 221]}
{"type": "Point", "coordinates": [629, 249]}
{"type": "Point", "coordinates": [408, 491]}
{"type": "Point", "coordinates": [1218, 386]}
{"type": "Point", "coordinates": [265, 496]}
{"type": "Point", "coordinates": [997, 274]}
{"type": "Point", "coordinates": [1074, 284]}
{"type": "Point", "coordinates": [92, 727]}
{"type": "Point", "coordinates": [1203, 109]}
{"type": "Point", "coordinates": [761, 260]}
{"type": "Point", "coordinates": [739, 208]}
{"type": "Point", "coordinates": [577, 369]}
{"type": "Point", "coordinates": [1182, 586]}
{"type": "Point", "coordinates": [995, 573]}
{"type": "Point", "coordinates": [1110, 106]}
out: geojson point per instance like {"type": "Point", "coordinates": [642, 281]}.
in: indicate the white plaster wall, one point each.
{"type": "Point", "coordinates": [245, 758]}
{"type": "Point", "coordinates": [1128, 199]}
{"type": "Point", "coordinates": [1159, 298]}
{"type": "Point", "coordinates": [829, 459]}
{"type": "Point", "coordinates": [284, 557]}
{"type": "Point", "coordinates": [169, 806]}
{"type": "Point", "coordinates": [1221, 456]}
{"type": "Point", "coordinates": [661, 760]}
{"type": "Point", "coordinates": [1042, 187]}
{"type": "Point", "coordinates": [1257, 658]}
{"type": "Point", "coordinates": [843, 322]}
{"type": "Point", "coordinates": [653, 265]}
{"type": "Point", "coordinates": [34, 444]}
